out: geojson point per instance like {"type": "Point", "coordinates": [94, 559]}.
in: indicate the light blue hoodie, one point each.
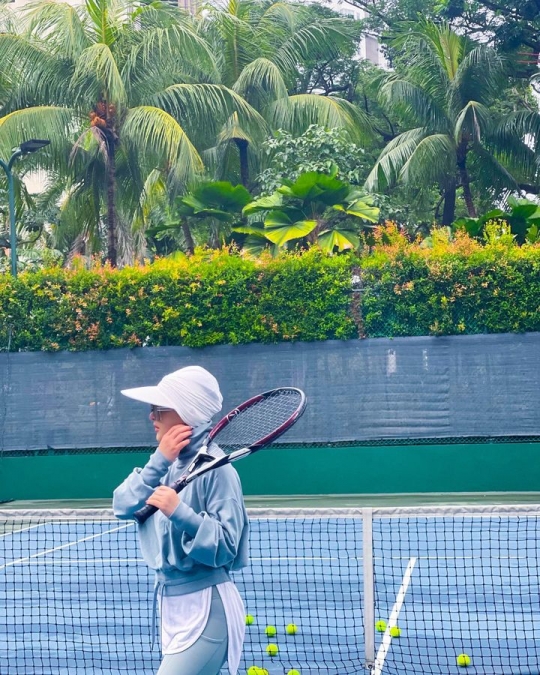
{"type": "Point", "coordinates": [205, 537]}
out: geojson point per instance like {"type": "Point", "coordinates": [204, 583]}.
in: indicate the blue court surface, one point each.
{"type": "Point", "coordinates": [78, 597]}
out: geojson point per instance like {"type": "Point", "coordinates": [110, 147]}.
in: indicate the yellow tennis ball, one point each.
{"type": "Point", "coordinates": [272, 650]}
{"type": "Point", "coordinates": [292, 629]}
{"type": "Point", "coordinates": [254, 670]}
{"type": "Point", "coordinates": [270, 631]}
{"type": "Point", "coordinates": [395, 631]}
{"type": "Point", "coordinates": [250, 620]}
{"type": "Point", "coordinates": [380, 626]}
{"type": "Point", "coordinates": [464, 660]}
{"type": "Point", "coordinates": [293, 672]}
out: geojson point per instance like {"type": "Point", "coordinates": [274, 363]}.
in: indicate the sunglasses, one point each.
{"type": "Point", "coordinates": [156, 411]}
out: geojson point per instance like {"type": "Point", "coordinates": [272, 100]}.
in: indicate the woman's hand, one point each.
{"type": "Point", "coordinates": [165, 499]}
{"type": "Point", "coordinates": [174, 441]}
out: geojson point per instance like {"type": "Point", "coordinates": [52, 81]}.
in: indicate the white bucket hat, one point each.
{"type": "Point", "coordinates": [192, 391]}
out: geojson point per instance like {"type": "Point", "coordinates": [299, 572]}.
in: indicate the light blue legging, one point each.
{"type": "Point", "coordinates": [208, 654]}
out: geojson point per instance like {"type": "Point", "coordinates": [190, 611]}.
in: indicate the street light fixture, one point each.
{"type": "Point", "coordinates": [25, 148]}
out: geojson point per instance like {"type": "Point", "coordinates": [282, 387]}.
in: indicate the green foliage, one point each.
{"type": "Point", "coordinates": [522, 217]}
{"type": "Point", "coordinates": [446, 91]}
{"type": "Point", "coordinates": [317, 149]}
{"type": "Point", "coordinates": [301, 211]}
{"type": "Point", "coordinates": [454, 286]}
{"type": "Point", "coordinates": [211, 298]}
{"type": "Point", "coordinates": [218, 199]}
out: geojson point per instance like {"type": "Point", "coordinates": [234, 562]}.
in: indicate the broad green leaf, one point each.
{"type": "Point", "coordinates": [342, 239]}
{"type": "Point", "coordinates": [361, 210]}
{"type": "Point", "coordinates": [281, 234]}
{"type": "Point", "coordinates": [224, 194]}
{"type": "Point", "coordinates": [263, 204]}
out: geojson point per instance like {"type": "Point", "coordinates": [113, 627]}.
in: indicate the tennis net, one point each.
{"type": "Point", "coordinates": [382, 590]}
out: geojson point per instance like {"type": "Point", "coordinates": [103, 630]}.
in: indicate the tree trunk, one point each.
{"type": "Point", "coordinates": [449, 211]}
{"type": "Point", "coordinates": [464, 178]}
{"type": "Point", "coordinates": [190, 244]}
{"type": "Point", "coordinates": [111, 204]}
{"type": "Point", "coordinates": [242, 146]}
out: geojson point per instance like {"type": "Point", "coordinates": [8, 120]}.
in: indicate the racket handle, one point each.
{"type": "Point", "coordinates": [142, 515]}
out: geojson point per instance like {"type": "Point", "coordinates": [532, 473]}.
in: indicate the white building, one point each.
{"type": "Point", "coordinates": [369, 46]}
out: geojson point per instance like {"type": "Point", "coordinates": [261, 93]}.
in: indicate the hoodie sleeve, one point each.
{"type": "Point", "coordinates": [132, 494]}
{"type": "Point", "coordinates": [213, 536]}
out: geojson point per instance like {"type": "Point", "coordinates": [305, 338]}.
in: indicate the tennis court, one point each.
{"type": "Point", "coordinates": [461, 579]}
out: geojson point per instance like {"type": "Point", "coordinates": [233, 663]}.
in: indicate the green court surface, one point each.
{"type": "Point", "coordinates": [319, 501]}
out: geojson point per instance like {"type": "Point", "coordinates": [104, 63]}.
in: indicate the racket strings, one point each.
{"type": "Point", "coordinates": [261, 419]}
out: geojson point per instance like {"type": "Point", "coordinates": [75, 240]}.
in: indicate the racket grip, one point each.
{"type": "Point", "coordinates": [142, 515]}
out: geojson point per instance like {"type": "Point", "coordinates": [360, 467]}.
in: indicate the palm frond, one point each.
{"type": "Point", "coordinates": [47, 122]}
{"type": "Point", "coordinates": [60, 24]}
{"type": "Point", "coordinates": [33, 68]}
{"type": "Point", "coordinates": [233, 131]}
{"type": "Point", "coordinates": [153, 131]}
{"type": "Point", "coordinates": [204, 108]}
{"type": "Point", "coordinates": [105, 29]}
{"type": "Point", "coordinates": [392, 159]}
{"type": "Point", "coordinates": [475, 120]}
{"type": "Point", "coordinates": [157, 54]}
{"type": "Point", "coordinates": [154, 194]}
{"type": "Point", "coordinates": [297, 113]}
{"type": "Point", "coordinates": [480, 76]}
{"type": "Point", "coordinates": [323, 40]}
{"type": "Point", "coordinates": [260, 83]}
{"type": "Point", "coordinates": [523, 126]}
{"type": "Point", "coordinates": [431, 162]}
{"type": "Point", "coordinates": [493, 172]}
{"type": "Point", "coordinates": [415, 102]}
{"type": "Point", "coordinates": [235, 40]}
{"type": "Point", "coordinates": [97, 76]}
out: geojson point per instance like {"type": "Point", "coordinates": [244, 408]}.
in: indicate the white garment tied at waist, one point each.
{"type": "Point", "coordinates": [184, 617]}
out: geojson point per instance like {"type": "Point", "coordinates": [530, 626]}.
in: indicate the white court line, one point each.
{"type": "Point", "coordinates": [398, 557]}
{"type": "Point", "coordinates": [58, 522]}
{"type": "Point", "coordinates": [58, 548]}
{"type": "Point", "coordinates": [300, 558]}
{"type": "Point", "coordinates": [392, 621]}
{"type": "Point", "coordinates": [86, 561]}
{"type": "Point", "coordinates": [23, 529]}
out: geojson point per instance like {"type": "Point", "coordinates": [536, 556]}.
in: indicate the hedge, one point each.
{"type": "Point", "coordinates": [212, 298]}
{"type": "Point", "coordinates": [221, 297]}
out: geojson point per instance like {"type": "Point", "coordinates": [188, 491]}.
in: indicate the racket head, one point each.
{"type": "Point", "coordinates": [258, 421]}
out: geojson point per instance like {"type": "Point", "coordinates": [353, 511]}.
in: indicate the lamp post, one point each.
{"type": "Point", "coordinates": [25, 148]}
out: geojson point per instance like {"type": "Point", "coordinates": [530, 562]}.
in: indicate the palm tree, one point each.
{"type": "Point", "coordinates": [110, 75]}
{"type": "Point", "coordinates": [446, 96]}
{"type": "Point", "coordinates": [261, 47]}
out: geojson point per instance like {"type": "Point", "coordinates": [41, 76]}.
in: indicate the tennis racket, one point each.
{"type": "Point", "coordinates": [251, 426]}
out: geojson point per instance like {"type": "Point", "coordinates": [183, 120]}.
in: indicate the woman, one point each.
{"type": "Point", "coordinates": [197, 536]}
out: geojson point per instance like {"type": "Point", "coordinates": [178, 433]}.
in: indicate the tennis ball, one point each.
{"type": "Point", "coordinates": [272, 650]}
{"type": "Point", "coordinates": [293, 672]}
{"type": "Point", "coordinates": [464, 660]}
{"type": "Point", "coordinates": [380, 626]}
{"type": "Point", "coordinates": [250, 620]}
{"type": "Point", "coordinates": [395, 631]}
{"type": "Point", "coordinates": [270, 631]}
{"type": "Point", "coordinates": [254, 670]}
{"type": "Point", "coordinates": [292, 629]}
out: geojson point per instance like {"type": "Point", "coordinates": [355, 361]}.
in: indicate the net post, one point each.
{"type": "Point", "coordinates": [369, 587]}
